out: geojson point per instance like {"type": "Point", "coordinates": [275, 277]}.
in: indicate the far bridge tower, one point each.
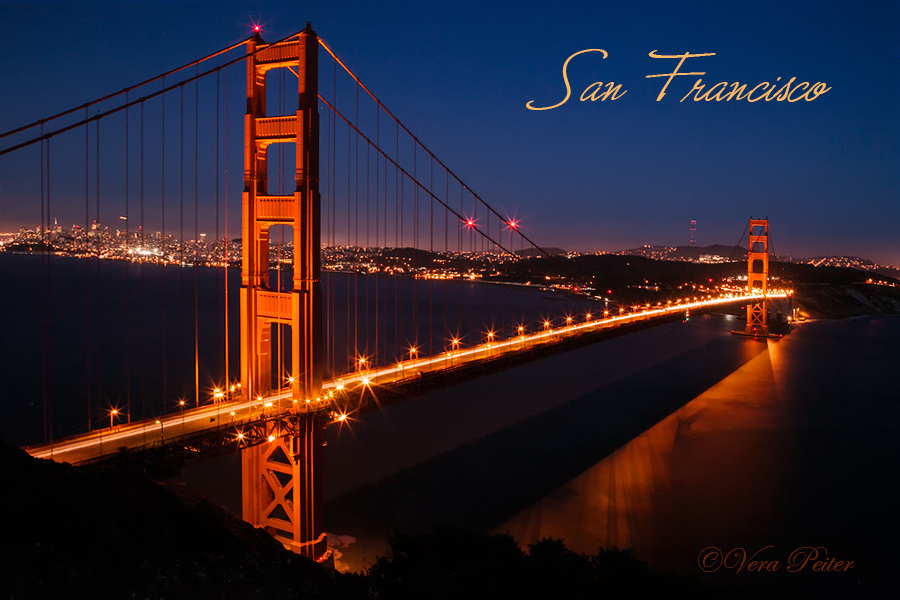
{"type": "Point", "coordinates": [758, 277]}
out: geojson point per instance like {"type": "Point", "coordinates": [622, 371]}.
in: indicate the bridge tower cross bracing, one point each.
{"type": "Point", "coordinates": [758, 276]}
{"type": "Point", "coordinates": [281, 479]}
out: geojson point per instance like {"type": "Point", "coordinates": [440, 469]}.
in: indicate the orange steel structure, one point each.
{"type": "Point", "coordinates": [281, 479]}
{"type": "Point", "coordinates": [758, 276]}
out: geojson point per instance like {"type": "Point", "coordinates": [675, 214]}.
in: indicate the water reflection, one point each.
{"type": "Point", "coordinates": [699, 477]}
{"type": "Point", "coordinates": [444, 467]}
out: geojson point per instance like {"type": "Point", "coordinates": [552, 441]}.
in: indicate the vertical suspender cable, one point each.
{"type": "Point", "coordinates": [164, 244]}
{"type": "Point", "coordinates": [415, 250]}
{"type": "Point", "coordinates": [349, 243]}
{"type": "Point", "coordinates": [377, 219]}
{"type": "Point", "coordinates": [142, 294]}
{"type": "Point", "coordinates": [402, 240]}
{"type": "Point", "coordinates": [216, 244]}
{"type": "Point", "coordinates": [384, 242]}
{"type": "Point", "coordinates": [397, 237]}
{"type": "Point", "coordinates": [181, 328]}
{"type": "Point", "coordinates": [227, 239]}
{"type": "Point", "coordinates": [49, 331]}
{"type": "Point", "coordinates": [99, 243]}
{"type": "Point", "coordinates": [445, 302]}
{"type": "Point", "coordinates": [127, 281]}
{"type": "Point", "coordinates": [474, 249]}
{"type": "Point", "coordinates": [368, 248]}
{"type": "Point", "coordinates": [45, 342]}
{"type": "Point", "coordinates": [356, 239]}
{"type": "Point", "coordinates": [197, 237]}
{"type": "Point", "coordinates": [430, 282]}
{"type": "Point", "coordinates": [43, 297]}
{"type": "Point", "coordinates": [87, 277]}
{"type": "Point", "coordinates": [461, 259]}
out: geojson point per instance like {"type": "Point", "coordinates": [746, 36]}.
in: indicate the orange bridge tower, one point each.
{"type": "Point", "coordinates": [757, 277]}
{"type": "Point", "coordinates": [281, 478]}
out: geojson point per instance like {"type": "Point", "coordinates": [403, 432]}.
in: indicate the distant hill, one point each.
{"type": "Point", "coordinates": [618, 272]}
{"type": "Point", "coordinates": [690, 253]}
{"type": "Point", "coordinates": [531, 252]}
{"type": "Point", "coordinates": [695, 252]}
{"type": "Point", "coordinates": [854, 262]}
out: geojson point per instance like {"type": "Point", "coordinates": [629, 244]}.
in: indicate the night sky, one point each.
{"type": "Point", "coordinates": [584, 176]}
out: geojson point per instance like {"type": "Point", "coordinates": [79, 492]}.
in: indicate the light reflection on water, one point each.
{"type": "Point", "coordinates": [477, 454]}
{"type": "Point", "coordinates": [795, 448]}
{"type": "Point", "coordinates": [690, 473]}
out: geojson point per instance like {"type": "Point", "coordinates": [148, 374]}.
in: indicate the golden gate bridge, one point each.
{"type": "Point", "coordinates": [311, 351]}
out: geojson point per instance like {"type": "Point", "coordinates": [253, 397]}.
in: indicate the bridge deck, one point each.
{"type": "Point", "coordinates": [235, 414]}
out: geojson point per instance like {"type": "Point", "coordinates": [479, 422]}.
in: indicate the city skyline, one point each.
{"type": "Point", "coordinates": [104, 242]}
{"type": "Point", "coordinates": [620, 174]}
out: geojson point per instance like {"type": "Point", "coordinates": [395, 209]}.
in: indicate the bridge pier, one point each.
{"type": "Point", "coordinates": [281, 489]}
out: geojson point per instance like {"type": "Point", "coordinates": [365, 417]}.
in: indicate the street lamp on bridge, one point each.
{"type": "Point", "coordinates": [454, 345]}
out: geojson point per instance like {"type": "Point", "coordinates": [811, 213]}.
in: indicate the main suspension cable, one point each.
{"type": "Point", "coordinates": [87, 105]}
{"type": "Point", "coordinates": [410, 133]}
{"type": "Point", "coordinates": [160, 92]}
{"type": "Point", "coordinates": [407, 174]}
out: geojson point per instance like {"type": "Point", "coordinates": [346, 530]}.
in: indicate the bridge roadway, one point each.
{"type": "Point", "coordinates": [232, 415]}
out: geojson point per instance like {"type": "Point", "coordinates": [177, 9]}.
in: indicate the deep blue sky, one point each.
{"type": "Point", "coordinates": [584, 176]}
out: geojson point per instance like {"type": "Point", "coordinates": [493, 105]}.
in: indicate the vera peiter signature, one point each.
{"type": "Point", "coordinates": [804, 558]}
{"type": "Point", "coordinates": [777, 91]}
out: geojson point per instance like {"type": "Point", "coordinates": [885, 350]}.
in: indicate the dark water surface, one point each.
{"type": "Point", "coordinates": [117, 334]}
{"type": "Point", "coordinates": [667, 441]}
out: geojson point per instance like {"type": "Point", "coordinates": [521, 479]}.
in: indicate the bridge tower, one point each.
{"type": "Point", "coordinates": [758, 276]}
{"type": "Point", "coordinates": [281, 478]}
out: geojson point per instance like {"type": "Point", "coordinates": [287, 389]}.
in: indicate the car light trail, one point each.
{"type": "Point", "coordinates": [235, 413]}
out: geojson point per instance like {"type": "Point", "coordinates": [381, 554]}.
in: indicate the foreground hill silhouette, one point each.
{"type": "Point", "coordinates": [111, 532]}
